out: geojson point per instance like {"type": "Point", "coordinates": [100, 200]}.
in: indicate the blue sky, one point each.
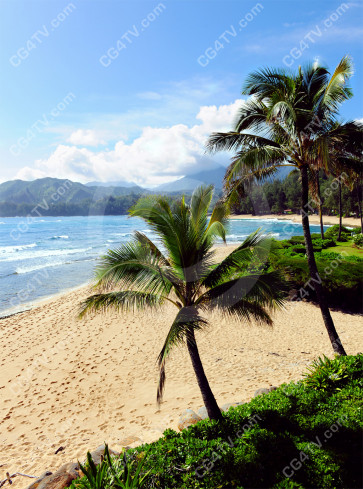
{"type": "Point", "coordinates": [114, 90]}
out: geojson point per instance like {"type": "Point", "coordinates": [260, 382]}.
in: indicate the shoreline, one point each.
{"type": "Point", "coordinates": [30, 306]}
{"type": "Point", "coordinates": [313, 219]}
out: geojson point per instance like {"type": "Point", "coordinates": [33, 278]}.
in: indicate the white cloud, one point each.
{"type": "Point", "coordinates": [85, 137]}
{"type": "Point", "coordinates": [157, 155]}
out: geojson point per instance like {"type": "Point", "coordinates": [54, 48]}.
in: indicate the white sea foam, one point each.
{"type": "Point", "coordinates": [40, 266]}
{"type": "Point", "coordinates": [16, 248]}
{"type": "Point", "coordinates": [33, 268]}
{"type": "Point", "coordinates": [64, 236]}
{"type": "Point", "coordinates": [46, 253]}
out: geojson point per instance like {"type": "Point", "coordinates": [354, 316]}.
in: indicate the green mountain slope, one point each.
{"type": "Point", "coordinates": [58, 190]}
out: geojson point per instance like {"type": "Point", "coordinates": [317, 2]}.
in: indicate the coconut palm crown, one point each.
{"type": "Point", "coordinates": [139, 275]}
{"type": "Point", "coordinates": [292, 119]}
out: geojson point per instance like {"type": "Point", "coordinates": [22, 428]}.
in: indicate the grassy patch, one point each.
{"type": "Point", "coordinates": [347, 248]}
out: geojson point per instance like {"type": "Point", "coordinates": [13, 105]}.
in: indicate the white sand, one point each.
{"type": "Point", "coordinates": [76, 384]}
{"type": "Point", "coordinates": [347, 221]}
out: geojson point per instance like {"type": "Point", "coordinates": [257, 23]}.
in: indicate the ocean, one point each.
{"type": "Point", "coordinates": [41, 257]}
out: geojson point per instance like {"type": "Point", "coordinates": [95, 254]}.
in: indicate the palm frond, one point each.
{"type": "Point", "coordinates": [264, 83]}
{"type": "Point", "coordinates": [252, 116]}
{"type": "Point", "coordinates": [254, 162]}
{"type": "Point", "coordinates": [336, 90]}
{"type": "Point", "coordinates": [199, 205]}
{"type": "Point", "coordinates": [238, 260]}
{"type": "Point", "coordinates": [124, 301]}
{"type": "Point", "coordinates": [264, 290]}
{"type": "Point", "coordinates": [134, 265]}
{"type": "Point", "coordinates": [218, 221]}
{"type": "Point", "coordinates": [145, 241]}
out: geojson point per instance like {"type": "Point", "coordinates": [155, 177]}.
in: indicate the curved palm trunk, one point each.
{"type": "Point", "coordinates": [209, 400]}
{"type": "Point", "coordinates": [320, 205]}
{"type": "Point", "coordinates": [328, 321]}
{"type": "Point", "coordinates": [360, 214]}
{"type": "Point", "coordinates": [340, 211]}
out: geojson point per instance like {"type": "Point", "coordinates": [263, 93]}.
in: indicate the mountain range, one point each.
{"type": "Point", "coordinates": [23, 192]}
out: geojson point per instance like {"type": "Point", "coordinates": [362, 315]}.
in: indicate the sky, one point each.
{"type": "Point", "coordinates": [130, 89]}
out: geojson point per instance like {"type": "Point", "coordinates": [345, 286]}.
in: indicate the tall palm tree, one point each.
{"type": "Point", "coordinates": [291, 119]}
{"type": "Point", "coordinates": [186, 276]}
{"type": "Point", "coordinates": [346, 164]}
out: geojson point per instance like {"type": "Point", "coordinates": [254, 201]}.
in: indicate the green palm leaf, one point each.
{"type": "Point", "coordinates": [125, 301]}
{"type": "Point", "coordinates": [238, 260]}
{"type": "Point", "coordinates": [260, 290]}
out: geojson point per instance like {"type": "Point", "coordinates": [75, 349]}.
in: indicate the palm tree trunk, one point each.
{"type": "Point", "coordinates": [209, 400]}
{"type": "Point", "coordinates": [328, 321]}
{"type": "Point", "coordinates": [360, 210]}
{"type": "Point", "coordinates": [320, 205]}
{"type": "Point", "coordinates": [340, 211]}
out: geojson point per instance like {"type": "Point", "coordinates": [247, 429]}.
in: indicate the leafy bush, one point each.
{"type": "Point", "coordinates": [296, 244]}
{"type": "Point", "coordinates": [326, 374]}
{"type": "Point", "coordinates": [296, 240]}
{"type": "Point", "coordinates": [118, 473]}
{"type": "Point", "coordinates": [333, 231]}
{"type": "Point", "coordinates": [257, 443]}
{"type": "Point", "coordinates": [323, 243]}
{"type": "Point", "coordinates": [358, 240]}
{"type": "Point", "coordinates": [298, 249]}
{"type": "Point", "coordinates": [356, 230]}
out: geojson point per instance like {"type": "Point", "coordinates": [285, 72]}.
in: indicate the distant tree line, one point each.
{"type": "Point", "coordinates": [275, 197]}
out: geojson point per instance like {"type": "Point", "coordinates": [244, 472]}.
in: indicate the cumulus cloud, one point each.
{"type": "Point", "coordinates": [157, 155]}
{"type": "Point", "coordinates": [85, 137]}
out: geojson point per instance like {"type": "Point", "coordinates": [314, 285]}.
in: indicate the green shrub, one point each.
{"type": "Point", "coordinates": [120, 473]}
{"type": "Point", "coordinates": [333, 231]}
{"type": "Point", "coordinates": [358, 240]}
{"type": "Point", "coordinates": [326, 374]}
{"type": "Point", "coordinates": [298, 249]}
{"type": "Point", "coordinates": [323, 243]}
{"type": "Point", "coordinates": [296, 240]}
{"type": "Point", "coordinates": [356, 230]}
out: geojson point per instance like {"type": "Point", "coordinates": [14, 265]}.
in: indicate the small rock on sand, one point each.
{"type": "Point", "coordinates": [188, 418]}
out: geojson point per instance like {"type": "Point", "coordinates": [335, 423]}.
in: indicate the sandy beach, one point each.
{"type": "Point", "coordinates": [330, 220]}
{"type": "Point", "coordinates": [75, 384]}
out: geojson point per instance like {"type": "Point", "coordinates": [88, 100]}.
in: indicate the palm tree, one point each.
{"type": "Point", "coordinates": [346, 164]}
{"type": "Point", "coordinates": [291, 119]}
{"type": "Point", "coordinates": [186, 276]}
